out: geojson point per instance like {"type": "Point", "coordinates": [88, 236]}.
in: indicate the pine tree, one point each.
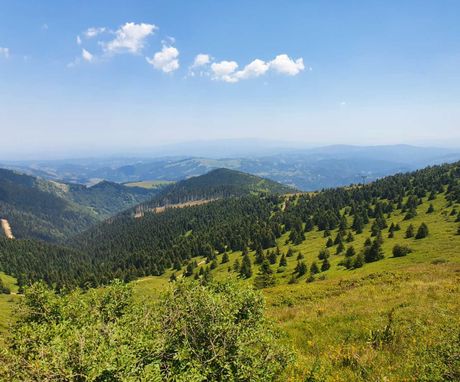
{"type": "Point", "coordinates": [358, 261]}
{"type": "Point", "coordinates": [350, 237]}
{"type": "Point", "coordinates": [325, 265]}
{"type": "Point", "coordinates": [329, 243]}
{"type": "Point", "coordinates": [323, 254]}
{"type": "Point", "coordinates": [272, 257]}
{"type": "Point", "coordinates": [422, 231]}
{"type": "Point", "coordinates": [246, 269]}
{"type": "Point", "coordinates": [283, 261]}
{"type": "Point", "coordinates": [314, 268]}
{"type": "Point", "coordinates": [225, 258]}
{"type": "Point", "coordinates": [259, 256]}
{"type": "Point", "coordinates": [301, 268]}
{"type": "Point", "coordinates": [373, 252]}
{"type": "Point", "coordinates": [350, 251]}
{"type": "Point", "coordinates": [340, 248]}
{"type": "Point", "coordinates": [410, 231]}
{"type": "Point", "coordinates": [300, 256]}
{"type": "Point", "coordinates": [430, 209]}
{"type": "Point", "coordinates": [289, 252]}
{"type": "Point", "coordinates": [264, 278]}
{"type": "Point", "coordinates": [236, 266]}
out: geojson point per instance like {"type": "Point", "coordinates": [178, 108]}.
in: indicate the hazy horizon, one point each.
{"type": "Point", "coordinates": [127, 76]}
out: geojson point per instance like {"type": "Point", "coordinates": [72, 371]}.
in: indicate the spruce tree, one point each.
{"type": "Point", "coordinates": [325, 265]}
{"type": "Point", "coordinates": [264, 278]}
{"type": "Point", "coordinates": [314, 268]}
{"type": "Point", "coordinates": [350, 251]}
{"type": "Point", "coordinates": [430, 209]}
{"type": "Point", "coordinates": [246, 269]}
{"type": "Point", "coordinates": [329, 243]}
{"type": "Point", "coordinates": [358, 261]}
{"type": "Point", "coordinates": [225, 258]}
{"type": "Point", "coordinates": [283, 261]}
{"type": "Point", "coordinates": [422, 231]}
{"type": "Point", "coordinates": [410, 231]}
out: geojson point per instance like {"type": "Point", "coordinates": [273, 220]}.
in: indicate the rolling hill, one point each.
{"type": "Point", "coordinates": [53, 211]}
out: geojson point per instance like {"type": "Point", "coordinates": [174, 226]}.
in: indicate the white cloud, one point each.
{"type": "Point", "coordinates": [165, 60]}
{"type": "Point", "coordinates": [130, 38]}
{"type": "Point", "coordinates": [285, 65]}
{"type": "Point", "coordinates": [78, 40]}
{"type": "Point", "coordinates": [201, 60]}
{"type": "Point", "coordinates": [227, 70]}
{"type": "Point", "coordinates": [224, 71]}
{"type": "Point", "coordinates": [94, 31]}
{"type": "Point", "coordinates": [5, 52]}
{"type": "Point", "coordinates": [255, 69]}
{"type": "Point", "coordinates": [87, 56]}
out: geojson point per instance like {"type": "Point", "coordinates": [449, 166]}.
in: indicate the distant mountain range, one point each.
{"type": "Point", "coordinates": [309, 169]}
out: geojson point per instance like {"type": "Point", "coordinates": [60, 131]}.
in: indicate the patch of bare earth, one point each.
{"type": "Point", "coordinates": [7, 229]}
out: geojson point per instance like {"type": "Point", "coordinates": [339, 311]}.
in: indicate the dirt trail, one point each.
{"type": "Point", "coordinates": [7, 229]}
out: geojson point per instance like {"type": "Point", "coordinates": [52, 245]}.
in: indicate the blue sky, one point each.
{"type": "Point", "coordinates": [115, 75]}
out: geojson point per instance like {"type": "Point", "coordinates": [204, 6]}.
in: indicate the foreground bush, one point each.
{"type": "Point", "coordinates": [195, 333]}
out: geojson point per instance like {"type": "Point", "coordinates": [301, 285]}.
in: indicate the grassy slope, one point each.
{"type": "Point", "coordinates": [329, 321]}
{"type": "Point", "coordinates": [7, 303]}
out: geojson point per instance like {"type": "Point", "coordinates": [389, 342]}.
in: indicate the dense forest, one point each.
{"type": "Point", "coordinates": [125, 247]}
{"type": "Point", "coordinates": [51, 211]}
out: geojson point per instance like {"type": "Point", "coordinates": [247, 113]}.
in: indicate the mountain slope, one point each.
{"type": "Point", "coordinates": [52, 211]}
{"type": "Point", "coordinates": [218, 184]}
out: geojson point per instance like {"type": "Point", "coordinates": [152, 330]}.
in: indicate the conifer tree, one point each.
{"type": "Point", "coordinates": [430, 209]}
{"type": "Point", "coordinates": [264, 278]}
{"type": "Point", "coordinates": [225, 258]}
{"type": "Point", "coordinates": [246, 269]}
{"type": "Point", "coordinates": [329, 243]}
{"type": "Point", "coordinates": [325, 265]}
{"type": "Point", "coordinates": [358, 261]}
{"type": "Point", "coordinates": [410, 231]}
{"type": "Point", "coordinates": [422, 231]}
{"type": "Point", "coordinates": [350, 251]}
{"type": "Point", "coordinates": [283, 261]}
{"type": "Point", "coordinates": [314, 268]}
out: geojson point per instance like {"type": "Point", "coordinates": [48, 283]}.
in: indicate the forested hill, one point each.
{"type": "Point", "coordinates": [217, 184]}
{"type": "Point", "coordinates": [52, 211]}
{"type": "Point", "coordinates": [128, 248]}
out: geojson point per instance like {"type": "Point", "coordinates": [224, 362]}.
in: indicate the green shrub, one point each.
{"type": "Point", "coordinates": [194, 333]}
{"type": "Point", "coordinates": [401, 250]}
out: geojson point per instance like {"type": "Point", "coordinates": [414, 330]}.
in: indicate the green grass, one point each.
{"type": "Point", "coordinates": [7, 303]}
{"type": "Point", "coordinates": [331, 323]}
{"type": "Point", "coordinates": [149, 184]}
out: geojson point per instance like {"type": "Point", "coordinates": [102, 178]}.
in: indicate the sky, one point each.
{"type": "Point", "coordinates": [107, 76]}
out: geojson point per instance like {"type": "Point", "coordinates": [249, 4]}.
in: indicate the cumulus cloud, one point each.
{"type": "Point", "coordinates": [130, 38]}
{"type": "Point", "coordinates": [87, 56]}
{"type": "Point", "coordinates": [227, 70]}
{"type": "Point", "coordinates": [201, 60]}
{"type": "Point", "coordinates": [4, 52]}
{"type": "Point", "coordinates": [94, 31]}
{"type": "Point", "coordinates": [224, 71]}
{"type": "Point", "coordinates": [166, 60]}
{"type": "Point", "coordinates": [285, 65]}
{"type": "Point", "coordinates": [255, 69]}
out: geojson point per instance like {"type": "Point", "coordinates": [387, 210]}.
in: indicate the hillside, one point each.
{"type": "Point", "coordinates": [218, 184]}
{"type": "Point", "coordinates": [363, 312]}
{"type": "Point", "coordinates": [52, 211]}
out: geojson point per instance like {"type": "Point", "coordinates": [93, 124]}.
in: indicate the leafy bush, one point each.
{"type": "Point", "coordinates": [401, 250]}
{"type": "Point", "coordinates": [194, 333]}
